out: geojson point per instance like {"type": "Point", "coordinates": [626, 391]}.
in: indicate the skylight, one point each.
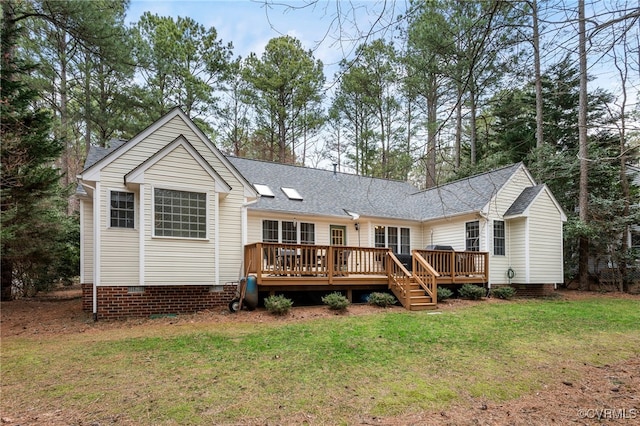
{"type": "Point", "coordinates": [292, 193]}
{"type": "Point", "coordinates": [264, 190]}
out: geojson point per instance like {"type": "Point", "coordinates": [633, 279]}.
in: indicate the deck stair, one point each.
{"type": "Point", "coordinates": [407, 287]}
{"type": "Point", "coordinates": [419, 300]}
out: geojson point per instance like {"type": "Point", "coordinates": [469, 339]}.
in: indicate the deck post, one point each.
{"type": "Point", "coordinates": [452, 265]}
{"type": "Point", "coordinates": [330, 264]}
{"type": "Point", "coordinates": [257, 258]}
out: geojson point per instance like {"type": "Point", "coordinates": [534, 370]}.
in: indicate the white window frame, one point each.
{"type": "Point", "coordinates": [207, 199]}
{"type": "Point", "coordinates": [135, 208]}
{"type": "Point", "coordinates": [398, 246]}
{"type": "Point", "coordinates": [277, 230]}
{"type": "Point", "coordinates": [311, 231]}
{"type": "Point", "coordinates": [466, 236]}
{"type": "Point", "coordinates": [503, 238]}
{"type": "Point", "coordinates": [297, 226]}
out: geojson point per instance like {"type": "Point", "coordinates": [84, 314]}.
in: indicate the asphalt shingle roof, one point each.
{"type": "Point", "coordinates": [524, 200]}
{"type": "Point", "coordinates": [97, 153]}
{"type": "Point", "coordinates": [326, 193]}
{"type": "Point", "coordinates": [466, 195]}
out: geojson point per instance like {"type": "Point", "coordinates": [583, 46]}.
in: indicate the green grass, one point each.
{"type": "Point", "coordinates": [321, 371]}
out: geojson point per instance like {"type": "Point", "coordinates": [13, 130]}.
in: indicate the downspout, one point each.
{"type": "Point", "coordinates": [96, 227]}
{"type": "Point", "coordinates": [216, 237]}
{"type": "Point", "coordinates": [96, 246]}
{"type": "Point", "coordinates": [485, 216]}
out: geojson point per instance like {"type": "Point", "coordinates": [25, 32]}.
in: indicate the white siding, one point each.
{"type": "Point", "coordinates": [499, 264]}
{"type": "Point", "coordinates": [545, 239]}
{"type": "Point", "coordinates": [172, 261]}
{"type": "Point", "coordinates": [516, 258]}
{"type": "Point", "coordinates": [179, 260]}
{"type": "Point", "coordinates": [119, 246]}
{"type": "Point", "coordinates": [508, 194]}
{"type": "Point", "coordinates": [362, 238]}
{"type": "Point", "coordinates": [451, 232]}
{"type": "Point", "coordinates": [86, 207]}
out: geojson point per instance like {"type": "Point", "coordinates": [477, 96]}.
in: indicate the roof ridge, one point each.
{"type": "Point", "coordinates": [470, 177]}
{"type": "Point", "coordinates": [319, 170]}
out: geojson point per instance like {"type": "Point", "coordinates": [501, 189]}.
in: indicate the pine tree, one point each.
{"type": "Point", "coordinates": [29, 189]}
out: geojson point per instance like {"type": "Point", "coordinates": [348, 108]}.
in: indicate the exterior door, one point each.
{"type": "Point", "coordinates": [338, 235]}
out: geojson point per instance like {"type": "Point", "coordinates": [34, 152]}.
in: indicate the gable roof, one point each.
{"type": "Point", "coordinates": [98, 157]}
{"type": "Point", "coordinates": [467, 195]}
{"type": "Point", "coordinates": [339, 194]}
{"type": "Point", "coordinates": [524, 200]}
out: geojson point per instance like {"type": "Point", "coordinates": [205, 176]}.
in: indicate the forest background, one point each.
{"type": "Point", "coordinates": [423, 91]}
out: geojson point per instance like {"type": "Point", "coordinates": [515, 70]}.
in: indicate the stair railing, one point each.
{"type": "Point", "coordinates": [399, 279]}
{"type": "Point", "coordinates": [425, 275]}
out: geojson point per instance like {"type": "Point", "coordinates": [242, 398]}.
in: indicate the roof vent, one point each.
{"type": "Point", "coordinates": [335, 172]}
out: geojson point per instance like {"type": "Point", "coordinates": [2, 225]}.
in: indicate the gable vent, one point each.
{"type": "Point", "coordinates": [292, 193]}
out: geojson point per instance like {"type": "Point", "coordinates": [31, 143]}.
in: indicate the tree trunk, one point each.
{"type": "Point", "coordinates": [432, 126]}
{"type": "Point", "coordinates": [459, 127]}
{"type": "Point", "coordinates": [8, 47]}
{"type": "Point", "coordinates": [473, 139]}
{"type": "Point", "coordinates": [583, 200]}
{"type": "Point", "coordinates": [538, 75]}
{"type": "Point", "coordinates": [624, 179]}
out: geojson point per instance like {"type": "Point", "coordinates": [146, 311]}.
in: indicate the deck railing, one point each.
{"type": "Point", "coordinates": [457, 266]}
{"type": "Point", "coordinates": [299, 260]}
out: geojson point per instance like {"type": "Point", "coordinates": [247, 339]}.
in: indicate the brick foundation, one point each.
{"type": "Point", "coordinates": [529, 290]}
{"type": "Point", "coordinates": [119, 302]}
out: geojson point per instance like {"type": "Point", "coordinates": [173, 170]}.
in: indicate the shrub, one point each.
{"type": "Point", "coordinates": [503, 292]}
{"type": "Point", "coordinates": [278, 305]}
{"type": "Point", "coordinates": [444, 293]}
{"type": "Point", "coordinates": [473, 292]}
{"type": "Point", "coordinates": [381, 299]}
{"type": "Point", "coordinates": [336, 301]}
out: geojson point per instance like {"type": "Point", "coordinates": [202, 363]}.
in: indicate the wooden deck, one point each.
{"type": "Point", "coordinates": [301, 267]}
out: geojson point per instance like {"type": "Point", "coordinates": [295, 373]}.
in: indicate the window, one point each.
{"type": "Point", "coordinates": [270, 231]}
{"type": "Point", "coordinates": [180, 213]}
{"type": "Point", "coordinates": [289, 232]}
{"type": "Point", "coordinates": [472, 240]}
{"type": "Point", "coordinates": [122, 209]}
{"type": "Point", "coordinates": [405, 241]}
{"type": "Point", "coordinates": [389, 237]}
{"type": "Point", "coordinates": [380, 237]}
{"type": "Point", "coordinates": [274, 231]}
{"type": "Point", "coordinates": [498, 238]}
{"type": "Point", "coordinates": [392, 239]}
{"type": "Point", "coordinates": [307, 233]}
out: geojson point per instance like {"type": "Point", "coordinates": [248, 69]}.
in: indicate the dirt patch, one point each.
{"type": "Point", "coordinates": [607, 394]}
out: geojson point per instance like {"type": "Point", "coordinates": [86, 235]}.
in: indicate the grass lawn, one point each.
{"type": "Point", "coordinates": [323, 371]}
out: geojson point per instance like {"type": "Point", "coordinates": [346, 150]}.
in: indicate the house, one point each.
{"type": "Point", "coordinates": [169, 224]}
